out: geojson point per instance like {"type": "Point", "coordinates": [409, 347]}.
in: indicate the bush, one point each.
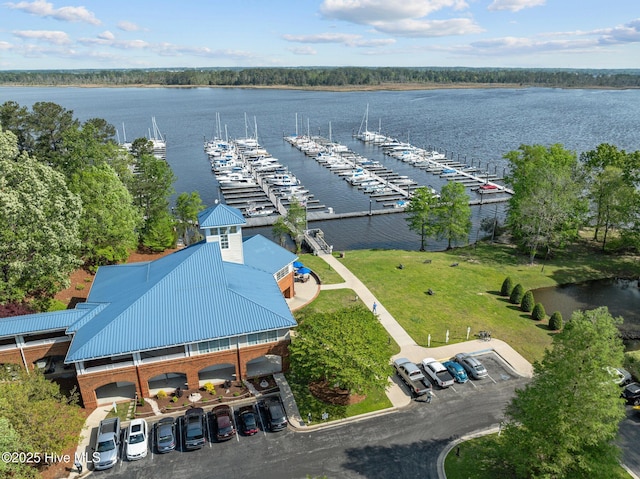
{"type": "Point", "coordinates": [538, 312]}
{"type": "Point", "coordinates": [507, 287]}
{"type": "Point", "coordinates": [141, 401]}
{"type": "Point", "coordinates": [161, 394]}
{"type": "Point", "coordinates": [555, 322]}
{"type": "Point", "coordinates": [527, 302]}
{"type": "Point", "coordinates": [516, 294]}
{"type": "Point", "coordinates": [210, 388]}
{"type": "Point", "coordinates": [174, 399]}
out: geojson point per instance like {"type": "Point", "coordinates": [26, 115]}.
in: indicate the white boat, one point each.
{"type": "Point", "coordinates": [283, 179]}
{"type": "Point", "coordinates": [236, 180]}
{"type": "Point", "coordinates": [259, 211]}
{"type": "Point", "coordinates": [158, 141]}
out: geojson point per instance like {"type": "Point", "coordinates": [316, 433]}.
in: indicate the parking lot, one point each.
{"type": "Point", "coordinates": [353, 449]}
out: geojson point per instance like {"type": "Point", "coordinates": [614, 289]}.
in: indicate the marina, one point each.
{"type": "Point", "coordinates": [436, 163]}
{"type": "Point", "coordinates": [482, 124]}
{"type": "Point", "coordinates": [250, 179]}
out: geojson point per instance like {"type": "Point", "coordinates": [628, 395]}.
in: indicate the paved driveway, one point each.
{"type": "Point", "coordinates": [400, 444]}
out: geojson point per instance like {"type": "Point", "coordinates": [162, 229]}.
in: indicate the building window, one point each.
{"type": "Point", "coordinates": [265, 337]}
{"type": "Point", "coordinates": [224, 241]}
{"type": "Point", "coordinates": [233, 229]}
{"type": "Point", "coordinates": [213, 346]}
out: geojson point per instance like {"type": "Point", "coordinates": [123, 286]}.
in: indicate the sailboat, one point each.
{"type": "Point", "coordinates": [159, 142]}
{"type": "Point", "coordinates": [365, 135]}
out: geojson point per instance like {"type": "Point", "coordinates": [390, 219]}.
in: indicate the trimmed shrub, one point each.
{"type": "Point", "coordinates": [527, 302]}
{"type": "Point", "coordinates": [507, 287]}
{"type": "Point", "coordinates": [538, 312]}
{"type": "Point", "coordinates": [174, 399]}
{"type": "Point", "coordinates": [516, 294]}
{"type": "Point", "coordinates": [210, 388]}
{"type": "Point", "coordinates": [555, 322]}
{"type": "Point", "coordinates": [161, 394]}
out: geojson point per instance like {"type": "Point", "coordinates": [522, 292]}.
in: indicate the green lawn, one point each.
{"type": "Point", "coordinates": [320, 267]}
{"type": "Point", "coordinates": [470, 463]}
{"type": "Point", "coordinates": [466, 295]}
{"type": "Point", "coordinates": [328, 301]}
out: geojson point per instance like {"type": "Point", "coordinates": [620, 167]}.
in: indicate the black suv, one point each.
{"type": "Point", "coordinates": [631, 394]}
{"type": "Point", "coordinates": [276, 418]}
{"type": "Point", "coordinates": [193, 426]}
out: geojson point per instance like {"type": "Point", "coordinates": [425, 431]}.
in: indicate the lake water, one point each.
{"type": "Point", "coordinates": [474, 124]}
{"type": "Point", "coordinates": [620, 296]}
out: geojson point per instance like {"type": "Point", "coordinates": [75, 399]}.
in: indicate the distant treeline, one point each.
{"type": "Point", "coordinates": [329, 77]}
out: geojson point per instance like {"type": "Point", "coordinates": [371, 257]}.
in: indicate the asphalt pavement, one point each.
{"type": "Point", "coordinates": [481, 418]}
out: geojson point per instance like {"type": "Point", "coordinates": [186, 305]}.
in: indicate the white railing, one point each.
{"type": "Point", "coordinates": [107, 367]}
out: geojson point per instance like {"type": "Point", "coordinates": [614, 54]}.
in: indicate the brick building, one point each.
{"type": "Point", "coordinates": [213, 311]}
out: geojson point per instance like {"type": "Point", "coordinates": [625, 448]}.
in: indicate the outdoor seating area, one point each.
{"type": "Point", "coordinates": [301, 272]}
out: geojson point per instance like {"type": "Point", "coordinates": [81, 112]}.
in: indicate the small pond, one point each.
{"type": "Point", "coordinates": [621, 296]}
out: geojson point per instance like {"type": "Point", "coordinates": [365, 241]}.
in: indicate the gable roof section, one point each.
{"type": "Point", "coordinates": [188, 296]}
{"type": "Point", "coordinates": [220, 215]}
{"type": "Point", "coordinates": [39, 322]}
{"type": "Point", "coordinates": [265, 255]}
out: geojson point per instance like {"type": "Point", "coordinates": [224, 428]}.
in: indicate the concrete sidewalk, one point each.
{"type": "Point", "coordinates": [408, 347]}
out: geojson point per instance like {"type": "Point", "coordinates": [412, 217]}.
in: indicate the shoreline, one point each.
{"type": "Point", "coordinates": [334, 89]}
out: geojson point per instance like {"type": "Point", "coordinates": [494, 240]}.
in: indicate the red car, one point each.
{"type": "Point", "coordinates": [487, 186]}
{"type": "Point", "coordinates": [224, 424]}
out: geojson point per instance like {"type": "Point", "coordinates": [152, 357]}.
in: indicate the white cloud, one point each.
{"type": "Point", "coordinates": [369, 11]}
{"type": "Point", "coordinates": [429, 28]}
{"type": "Point", "coordinates": [306, 50]}
{"type": "Point", "coordinates": [128, 26]}
{"type": "Point", "coordinates": [5, 46]}
{"type": "Point", "coordinates": [106, 35]}
{"type": "Point", "coordinates": [350, 40]}
{"type": "Point", "coordinates": [41, 8]}
{"type": "Point", "coordinates": [48, 36]}
{"type": "Point", "coordinates": [407, 18]}
{"type": "Point", "coordinates": [627, 33]}
{"type": "Point", "coordinates": [515, 5]}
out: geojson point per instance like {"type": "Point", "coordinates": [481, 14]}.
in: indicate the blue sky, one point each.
{"type": "Point", "coordinates": [70, 34]}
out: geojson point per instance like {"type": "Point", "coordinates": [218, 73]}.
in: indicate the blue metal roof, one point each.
{"type": "Point", "coordinates": [265, 255]}
{"type": "Point", "coordinates": [185, 297]}
{"type": "Point", "coordinates": [220, 215]}
{"type": "Point", "coordinates": [39, 322]}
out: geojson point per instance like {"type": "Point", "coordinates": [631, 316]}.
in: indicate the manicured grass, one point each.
{"type": "Point", "coordinates": [329, 301]}
{"type": "Point", "coordinates": [467, 295]}
{"type": "Point", "coordinates": [307, 403]}
{"type": "Point", "coordinates": [122, 411]}
{"type": "Point", "coordinates": [320, 267]}
{"type": "Point", "coordinates": [470, 464]}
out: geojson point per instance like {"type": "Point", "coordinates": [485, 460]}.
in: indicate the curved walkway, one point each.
{"type": "Point", "coordinates": [307, 292]}
{"type": "Point", "coordinates": [408, 347]}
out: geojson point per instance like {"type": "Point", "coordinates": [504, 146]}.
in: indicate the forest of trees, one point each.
{"type": "Point", "coordinates": [71, 197]}
{"type": "Point", "coordinates": [329, 77]}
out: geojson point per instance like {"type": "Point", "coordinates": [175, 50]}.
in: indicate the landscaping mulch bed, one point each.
{"type": "Point", "coordinates": [264, 384]}
{"type": "Point", "coordinates": [234, 392]}
{"type": "Point", "coordinates": [340, 397]}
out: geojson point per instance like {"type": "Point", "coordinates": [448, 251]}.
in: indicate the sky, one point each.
{"type": "Point", "coordinates": [70, 34]}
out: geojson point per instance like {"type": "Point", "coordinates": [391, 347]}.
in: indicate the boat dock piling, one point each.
{"type": "Point", "coordinates": [254, 182]}
{"type": "Point", "coordinates": [434, 162]}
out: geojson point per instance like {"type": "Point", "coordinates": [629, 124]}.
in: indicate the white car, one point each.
{"type": "Point", "coordinates": [620, 376]}
{"type": "Point", "coordinates": [136, 439]}
{"type": "Point", "coordinates": [436, 371]}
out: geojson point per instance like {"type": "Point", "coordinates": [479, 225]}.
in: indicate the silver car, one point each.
{"type": "Point", "coordinates": [474, 368]}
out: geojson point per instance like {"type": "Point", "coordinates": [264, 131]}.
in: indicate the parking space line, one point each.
{"type": "Point", "coordinates": [494, 381]}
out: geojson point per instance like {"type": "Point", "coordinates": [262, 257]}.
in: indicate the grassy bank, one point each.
{"type": "Point", "coordinates": [466, 295]}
